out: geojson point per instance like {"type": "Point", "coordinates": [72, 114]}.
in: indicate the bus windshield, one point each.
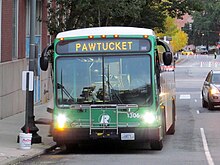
{"type": "Point", "coordinates": [115, 79]}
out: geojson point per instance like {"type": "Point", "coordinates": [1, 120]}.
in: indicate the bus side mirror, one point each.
{"type": "Point", "coordinates": [44, 59]}
{"type": "Point", "coordinates": [44, 63]}
{"type": "Point", "coordinates": [167, 58]}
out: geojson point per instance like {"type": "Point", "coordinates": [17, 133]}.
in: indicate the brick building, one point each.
{"type": "Point", "coordinates": [186, 19]}
{"type": "Point", "coordinates": [14, 53]}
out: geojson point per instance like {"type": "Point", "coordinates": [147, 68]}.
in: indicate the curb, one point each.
{"type": "Point", "coordinates": [33, 154]}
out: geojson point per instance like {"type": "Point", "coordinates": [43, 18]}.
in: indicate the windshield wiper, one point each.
{"type": "Point", "coordinates": [60, 86]}
{"type": "Point", "coordinates": [63, 90]}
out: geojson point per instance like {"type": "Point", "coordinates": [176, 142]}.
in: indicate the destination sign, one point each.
{"type": "Point", "coordinates": [102, 45]}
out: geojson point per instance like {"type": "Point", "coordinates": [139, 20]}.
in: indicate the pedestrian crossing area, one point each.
{"type": "Point", "coordinates": [185, 96]}
{"type": "Point", "coordinates": [200, 61]}
{"type": "Point", "coordinates": [188, 96]}
{"type": "Point", "coordinates": [202, 64]}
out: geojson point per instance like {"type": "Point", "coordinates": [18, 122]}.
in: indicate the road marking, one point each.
{"type": "Point", "coordinates": [206, 148]}
{"type": "Point", "coordinates": [191, 80]}
{"type": "Point", "coordinates": [185, 97]}
{"type": "Point", "coordinates": [198, 112]}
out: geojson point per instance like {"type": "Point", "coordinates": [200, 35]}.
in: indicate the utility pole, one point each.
{"type": "Point", "coordinates": [31, 122]}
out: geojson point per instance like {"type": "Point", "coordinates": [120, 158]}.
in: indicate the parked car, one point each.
{"type": "Point", "coordinates": [187, 52]}
{"type": "Point", "coordinates": [211, 90]}
{"type": "Point", "coordinates": [201, 50]}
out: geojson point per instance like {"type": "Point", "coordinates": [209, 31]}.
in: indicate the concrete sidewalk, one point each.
{"type": "Point", "coordinates": [10, 152]}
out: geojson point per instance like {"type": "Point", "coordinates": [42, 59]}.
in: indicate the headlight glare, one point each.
{"type": "Point", "coordinates": [61, 120]}
{"type": "Point", "coordinates": [149, 117]}
{"type": "Point", "coordinates": [214, 90]}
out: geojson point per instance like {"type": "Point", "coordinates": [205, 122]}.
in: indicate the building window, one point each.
{"type": "Point", "coordinates": [27, 17]}
{"type": "Point", "coordinates": [15, 30]}
{"type": "Point", "coordinates": [38, 25]}
{"type": "Point", "coordinates": [38, 18]}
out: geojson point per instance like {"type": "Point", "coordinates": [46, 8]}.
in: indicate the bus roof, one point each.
{"type": "Point", "coordinates": [108, 30]}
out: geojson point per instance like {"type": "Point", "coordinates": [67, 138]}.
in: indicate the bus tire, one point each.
{"type": "Point", "coordinates": [172, 130]}
{"type": "Point", "coordinates": [156, 145]}
{"type": "Point", "coordinates": [163, 121]}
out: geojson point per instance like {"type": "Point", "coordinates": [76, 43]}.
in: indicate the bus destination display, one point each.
{"type": "Point", "coordinates": [102, 45]}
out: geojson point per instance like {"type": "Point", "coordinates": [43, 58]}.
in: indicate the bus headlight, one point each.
{"type": "Point", "coordinates": [61, 120]}
{"type": "Point", "coordinates": [149, 117]}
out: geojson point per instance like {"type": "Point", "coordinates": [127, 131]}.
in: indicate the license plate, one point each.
{"type": "Point", "coordinates": [127, 136]}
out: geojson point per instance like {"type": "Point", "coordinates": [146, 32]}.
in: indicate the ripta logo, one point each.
{"type": "Point", "coordinates": [105, 119]}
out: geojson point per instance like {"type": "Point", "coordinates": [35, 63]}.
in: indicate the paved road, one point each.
{"type": "Point", "coordinates": [197, 137]}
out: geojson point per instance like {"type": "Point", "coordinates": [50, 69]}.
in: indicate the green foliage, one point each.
{"type": "Point", "coordinates": [179, 41]}
{"type": "Point", "coordinates": [177, 8]}
{"type": "Point", "coordinates": [179, 38]}
{"type": "Point", "coordinates": [206, 25]}
{"type": "Point", "coordinates": [73, 14]}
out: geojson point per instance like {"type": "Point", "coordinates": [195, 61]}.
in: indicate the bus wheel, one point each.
{"type": "Point", "coordinates": [171, 130]}
{"type": "Point", "coordinates": [156, 145]}
{"type": "Point", "coordinates": [163, 122]}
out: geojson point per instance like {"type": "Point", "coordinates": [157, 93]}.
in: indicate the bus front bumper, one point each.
{"type": "Point", "coordinates": [78, 135]}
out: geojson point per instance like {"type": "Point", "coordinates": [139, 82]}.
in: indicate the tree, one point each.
{"type": "Point", "coordinates": [73, 14]}
{"type": "Point", "coordinates": [170, 28]}
{"type": "Point", "coordinates": [177, 8]}
{"type": "Point", "coordinates": [179, 38]}
{"type": "Point", "coordinates": [206, 25]}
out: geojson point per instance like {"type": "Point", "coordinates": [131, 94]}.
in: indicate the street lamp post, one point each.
{"type": "Point", "coordinates": [30, 106]}
{"type": "Point", "coordinates": [203, 39]}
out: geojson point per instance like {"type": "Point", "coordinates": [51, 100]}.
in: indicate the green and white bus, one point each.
{"type": "Point", "coordinates": [108, 84]}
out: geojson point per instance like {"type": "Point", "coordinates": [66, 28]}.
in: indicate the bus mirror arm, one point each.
{"type": "Point", "coordinates": [167, 55]}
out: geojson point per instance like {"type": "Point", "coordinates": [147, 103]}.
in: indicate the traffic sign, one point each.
{"type": "Point", "coordinates": [28, 80]}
